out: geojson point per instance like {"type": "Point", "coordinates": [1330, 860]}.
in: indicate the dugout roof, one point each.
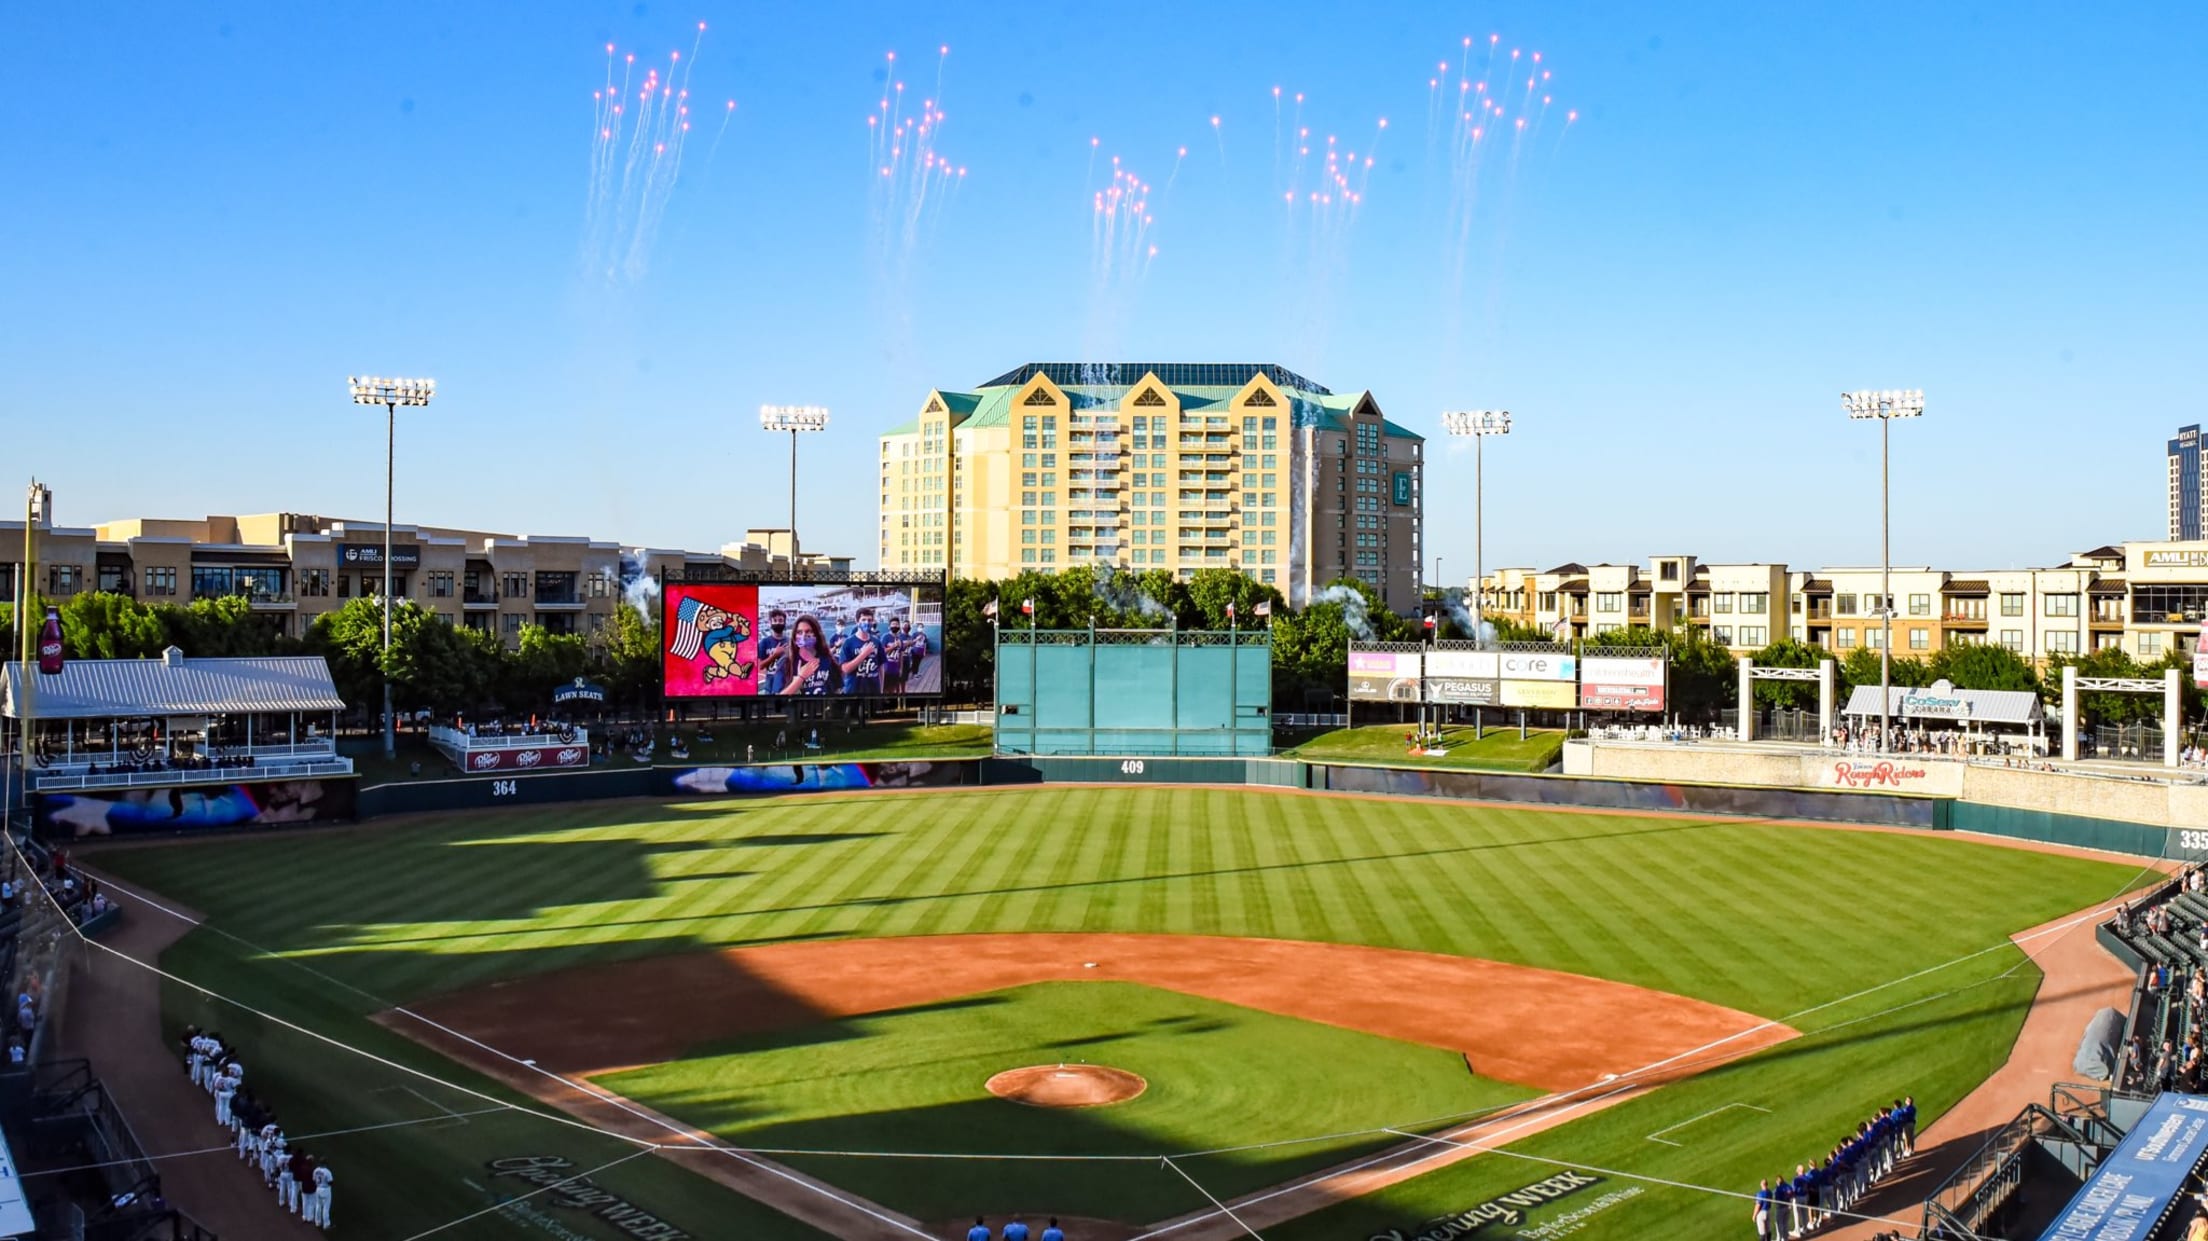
{"type": "Point", "coordinates": [173, 685]}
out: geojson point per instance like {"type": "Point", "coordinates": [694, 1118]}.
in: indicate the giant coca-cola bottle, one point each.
{"type": "Point", "coordinates": [49, 643]}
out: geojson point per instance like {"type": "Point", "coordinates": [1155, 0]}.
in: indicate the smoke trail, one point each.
{"type": "Point", "coordinates": [638, 588]}
{"type": "Point", "coordinates": [1119, 593]}
{"type": "Point", "coordinates": [1355, 616]}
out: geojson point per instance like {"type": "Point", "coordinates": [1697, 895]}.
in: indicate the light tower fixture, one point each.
{"type": "Point", "coordinates": [389, 393]}
{"type": "Point", "coordinates": [1885, 404]}
{"type": "Point", "coordinates": [1478, 424]}
{"type": "Point", "coordinates": [793, 419]}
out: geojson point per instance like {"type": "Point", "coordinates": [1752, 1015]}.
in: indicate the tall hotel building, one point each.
{"type": "Point", "coordinates": [1173, 466]}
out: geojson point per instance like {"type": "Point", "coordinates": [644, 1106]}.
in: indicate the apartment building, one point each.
{"type": "Point", "coordinates": [1174, 466]}
{"type": "Point", "coordinates": [293, 567]}
{"type": "Point", "coordinates": [2149, 598]}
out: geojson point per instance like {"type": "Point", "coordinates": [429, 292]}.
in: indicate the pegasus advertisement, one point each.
{"type": "Point", "coordinates": [813, 640]}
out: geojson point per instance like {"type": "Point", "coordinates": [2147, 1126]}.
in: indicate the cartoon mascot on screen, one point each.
{"type": "Point", "coordinates": [715, 633]}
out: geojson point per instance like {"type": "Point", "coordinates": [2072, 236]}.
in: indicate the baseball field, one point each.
{"type": "Point", "coordinates": [473, 1007]}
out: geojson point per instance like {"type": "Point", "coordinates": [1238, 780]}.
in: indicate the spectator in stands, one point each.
{"type": "Point", "coordinates": [2165, 1067]}
{"type": "Point", "coordinates": [2133, 1068]}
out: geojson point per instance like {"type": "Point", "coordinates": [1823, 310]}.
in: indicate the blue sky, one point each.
{"type": "Point", "coordinates": [216, 212]}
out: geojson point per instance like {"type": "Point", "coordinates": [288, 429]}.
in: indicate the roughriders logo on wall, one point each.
{"type": "Point", "coordinates": [1509, 1209]}
{"type": "Point", "coordinates": [560, 1187]}
{"type": "Point", "coordinates": [1875, 775]}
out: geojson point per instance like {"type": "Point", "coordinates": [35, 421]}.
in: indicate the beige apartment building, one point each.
{"type": "Point", "coordinates": [1173, 466]}
{"type": "Point", "coordinates": [293, 567]}
{"type": "Point", "coordinates": [2148, 598]}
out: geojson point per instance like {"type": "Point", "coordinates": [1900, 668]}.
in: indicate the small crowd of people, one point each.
{"type": "Point", "coordinates": [1676, 734]}
{"type": "Point", "coordinates": [76, 893]}
{"type": "Point", "coordinates": [1014, 1230]}
{"type": "Point", "coordinates": [2193, 756]}
{"type": "Point", "coordinates": [300, 1181]}
{"type": "Point", "coordinates": [1791, 1207]}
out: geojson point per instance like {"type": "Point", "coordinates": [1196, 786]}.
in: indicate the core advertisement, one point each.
{"type": "Point", "coordinates": [755, 640]}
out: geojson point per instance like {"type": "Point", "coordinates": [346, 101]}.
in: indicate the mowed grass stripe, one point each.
{"type": "Point", "coordinates": [1756, 916]}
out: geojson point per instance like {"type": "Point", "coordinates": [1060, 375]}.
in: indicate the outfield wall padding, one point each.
{"type": "Point", "coordinates": [476, 793]}
{"type": "Point", "coordinates": [1816, 804]}
{"type": "Point", "coordinates": [2115, 836]}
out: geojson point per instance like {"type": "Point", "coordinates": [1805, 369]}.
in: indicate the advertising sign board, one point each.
{"type": "Point", "coordinates": [1384, 676]}
{"type": "Point", "coordinates": [1544, 695]}
{"type": "Point", "coordinates": [1611, 683]}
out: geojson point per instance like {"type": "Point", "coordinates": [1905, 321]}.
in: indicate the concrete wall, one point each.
{"type": "Point", "coordinates": [1723, 764]}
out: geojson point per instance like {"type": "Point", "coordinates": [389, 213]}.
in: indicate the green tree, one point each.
{"type": "Point", "coordinates": [1211, 590]}
{"type": "Point", "coordinates": [101, 625]}
{"type": "Point", "coordinates": [625, 655]}
{"type": "Point", "coordinates": [220, 626]}
{"type": "Point", "coordinates": [969, 640]}
{"type": "Point", "coordinates": [1861, 668]}
{"type": "Point", "coordinates": [1979, 665]}
{"type": "Point", "coordinates": [541, 662]}
{"type": "Point", "coordinates": [2100, 708]}
{"type": "Point", "coordinates": [350, 640]}
{"type": "Point", "coordinates": [1788, 695]}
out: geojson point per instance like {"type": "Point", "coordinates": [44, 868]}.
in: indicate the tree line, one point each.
{"type": "Point", "coordinates": [444, 667]}
{"type": "Point", "coordinates": [433, 665]}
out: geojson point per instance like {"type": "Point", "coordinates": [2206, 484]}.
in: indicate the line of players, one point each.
{"type": "Point", "coordinates": [866, 661]}
{"type": "Point", "coordinates": [1795, 1205]}
{"type": "Point", "coordinates": [302, 1182]}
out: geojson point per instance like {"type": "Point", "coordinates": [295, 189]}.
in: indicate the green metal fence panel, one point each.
{"type": "Point", "coordinates": [2112, 835]}
{"type": "Point", "coordinates": [1142, 694]}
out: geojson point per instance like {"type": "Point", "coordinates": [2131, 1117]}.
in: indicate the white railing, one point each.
{"type": "Point", "coordinates": [448, 738]}
{"type": "Point", "coordinates": [1309, 720]}
{"type": "Point", "coordinates": [46, 782]}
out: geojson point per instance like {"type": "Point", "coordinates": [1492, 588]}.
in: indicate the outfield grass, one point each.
{"type": "Point", "coordinates": [1499, 750]}
{"type": "Point", "coordinates": [840, 741]}
{"type": "Point", "coordinates": [1219, 1075]}
{"type": "Point", "coordinates": [1771, 919]}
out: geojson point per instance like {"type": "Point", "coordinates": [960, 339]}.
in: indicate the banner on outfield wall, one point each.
{"type": "Point", "coordinates": [816, 777]}
{"type": "Point", "coordinates": [1930, 776]}
{"type": "Point", "coordinates": [1611, 683]}
{"type": "Point", "coordinates": [194, 807]}
{"type": "Point", "coordinates": [1384, 676]}
{"type": "Point", "coordinates": [534, 758]}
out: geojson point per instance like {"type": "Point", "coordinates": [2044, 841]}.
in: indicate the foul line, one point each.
{"type": "Point", "coordinates": [1657, 1136]}
{"type": "Point", "coordinates": [1167, 1160]}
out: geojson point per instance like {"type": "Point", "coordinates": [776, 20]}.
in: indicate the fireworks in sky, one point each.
{"type": "Point", "coordinates": [642, 122]}
{"type": "Point", "coordinates": [1321, 178]}
{"type": "Point", "coordinates": [1491, 112]}
{"type": "Point", "coordinates": [913, 181]}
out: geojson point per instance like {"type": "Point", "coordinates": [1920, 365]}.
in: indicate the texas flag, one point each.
{"type": "Point", "coordinates": [1027, 607]}
{"type": "Point", "coordinates": [1430, 620]}
{"type": "Point", "coordinates": [1230, 611]}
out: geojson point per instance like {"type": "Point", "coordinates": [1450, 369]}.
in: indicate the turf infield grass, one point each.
{"type": "Point", "coordinates": [913, 1080]}
{"type": "Point", "coordinates": [1765, 918]}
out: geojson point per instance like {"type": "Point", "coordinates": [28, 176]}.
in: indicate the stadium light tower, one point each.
{"type": "Point", "coordinates": [793, 419]}
{"type": "Point", "coordinates": [1479, 424]}
{"type": "Point", "coordinates": [389, 393]}
{"type": "Point", "coordinates": [1885, 405]}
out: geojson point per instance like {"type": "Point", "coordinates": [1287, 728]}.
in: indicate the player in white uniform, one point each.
{"type": "Point", "coordinates": [318, 1212]}
{"type": "Point", "coordinates": [274, 1156]}
{"type": "Point", "coordinates": [196, 1056]}
{"type": "Point", "coordinates": [226, 1088]}
{"type": "Point", "coordinates": [287, 1186]}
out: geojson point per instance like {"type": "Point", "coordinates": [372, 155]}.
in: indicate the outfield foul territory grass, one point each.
{"type": "Point", "coordinates": [1219, 1076]}
{"type": "Point", "coordinates": [1499, 750]}
{"type": "Point", "coordinates": [1777, 920]}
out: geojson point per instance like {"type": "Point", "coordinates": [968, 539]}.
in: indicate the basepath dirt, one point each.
{"type": "Point", "coordinates": [1590, 1042]}
{"type": "Point", "coordinates": [1066, 1085]}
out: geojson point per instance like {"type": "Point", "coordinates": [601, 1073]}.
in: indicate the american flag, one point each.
{"type": "Point", "coordinates": [1264, 608]}
{"type": "Point", "coordinates": [989, 609]}
{"type": "Point", "coordinates": [688, 638]}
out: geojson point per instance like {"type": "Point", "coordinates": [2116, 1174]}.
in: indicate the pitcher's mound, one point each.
{"type": "Point", "coordinates": [1067, 1085]}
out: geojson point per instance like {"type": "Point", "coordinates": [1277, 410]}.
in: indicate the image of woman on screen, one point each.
{"type": "Point", "coordinates": [807, 664]}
